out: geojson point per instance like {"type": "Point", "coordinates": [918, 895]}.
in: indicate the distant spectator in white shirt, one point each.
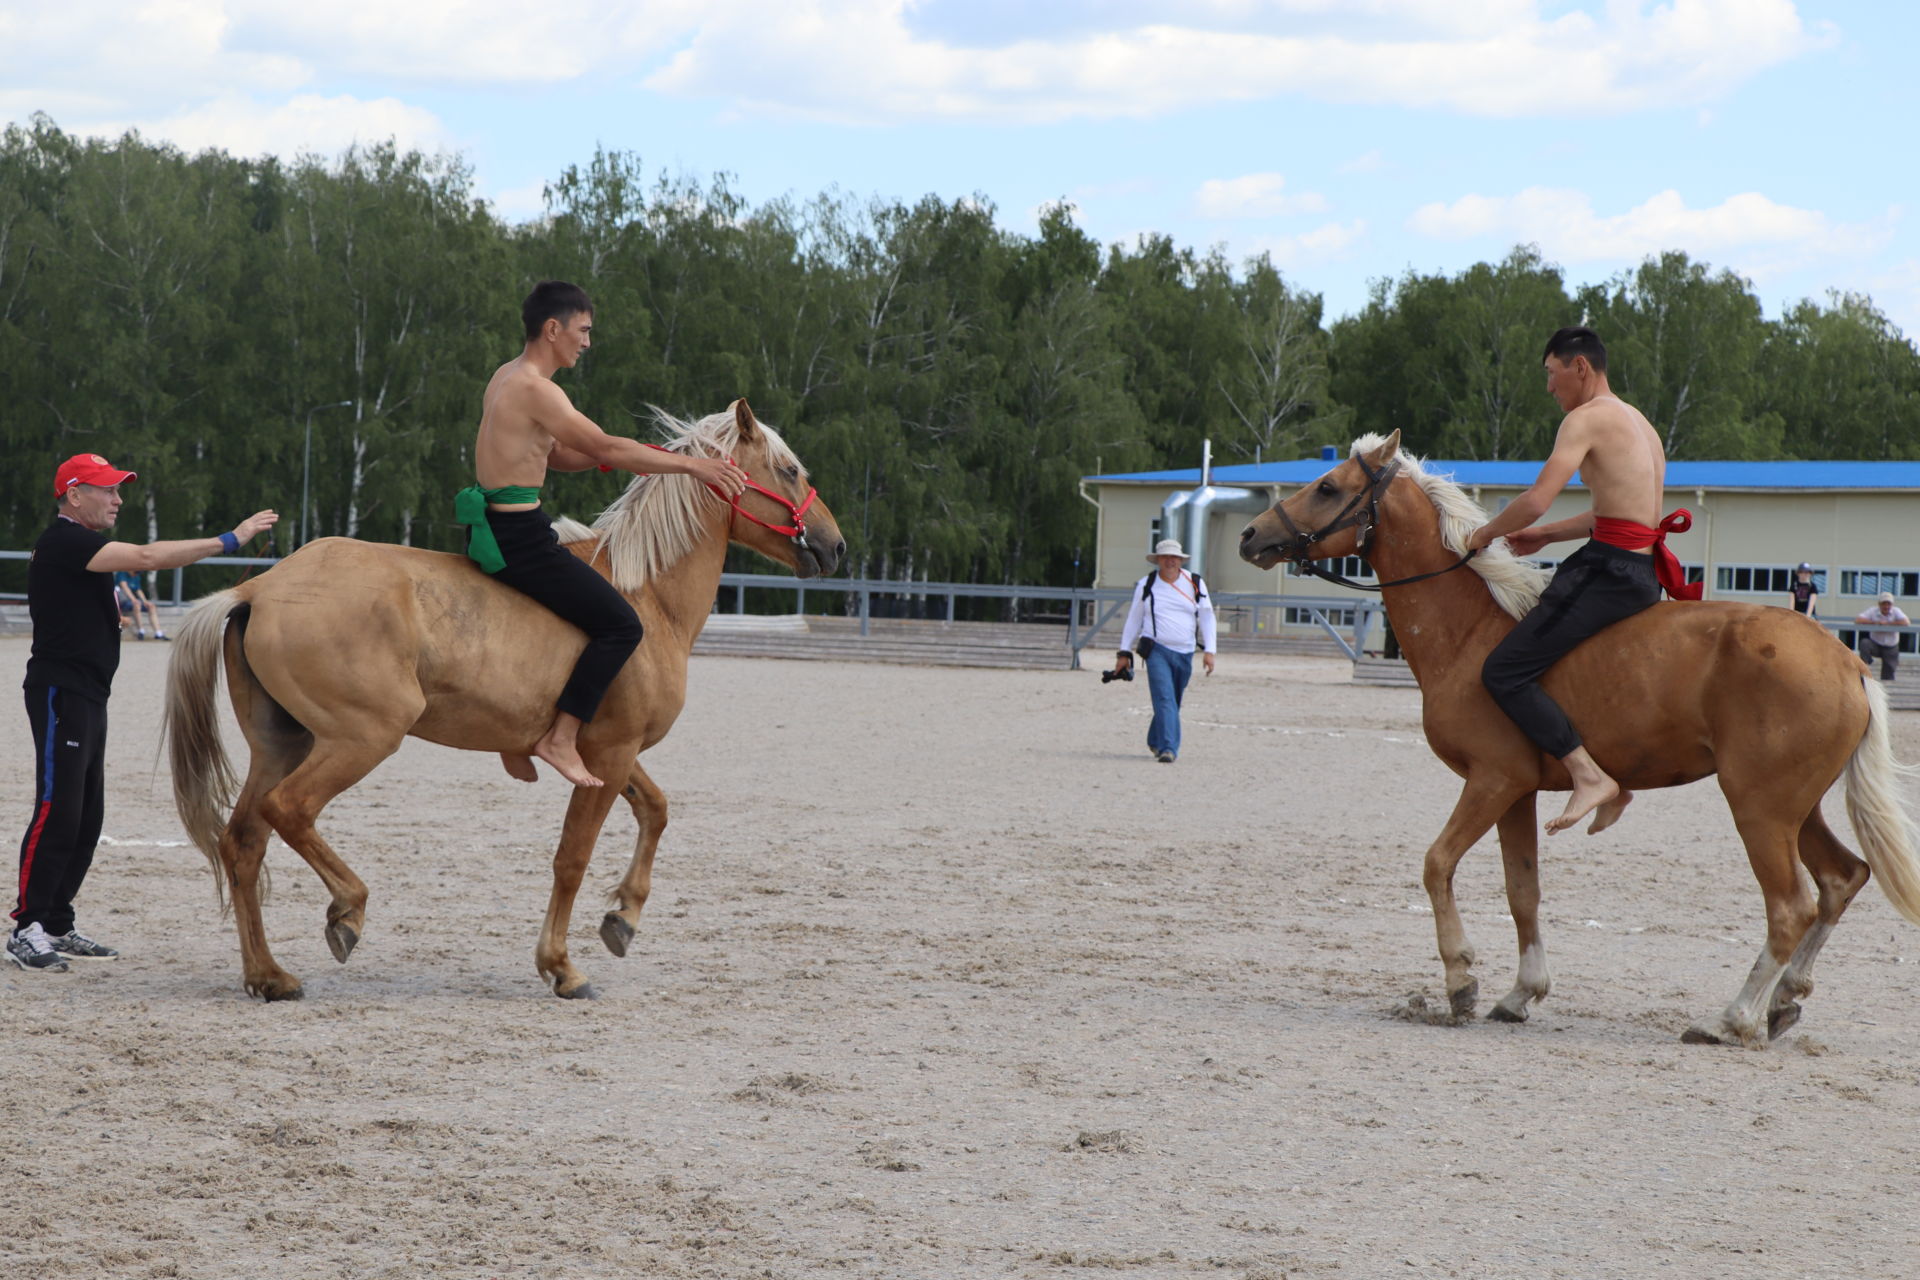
{"type": "Point", "coordinates": [1884, 645]}
{"type": "Point", "coordinates": [1171, 608]}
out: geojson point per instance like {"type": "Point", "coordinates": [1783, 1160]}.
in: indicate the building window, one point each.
{"type": "Point", "coordinates": [1305, 617]}
{"type": "Point", "coordinates": [1153, 534]}
{"type": "Point", "coordinates": [1850, 637]}
{"type": "Point", "coordinates": [1871, 582]}
{"type": "Point", "coordinates": [1346, 566]}
{"type": "Point", "coordinates": [1754, 579]}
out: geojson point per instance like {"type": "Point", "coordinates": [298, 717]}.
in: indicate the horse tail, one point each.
{"type": "Point", "coordinates": [1889, 840]}
{"type": "Point", "coordinates": [203, 780]}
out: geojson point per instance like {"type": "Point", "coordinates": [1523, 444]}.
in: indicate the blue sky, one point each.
{"type": "Point", "coordinates": [1350, 139]}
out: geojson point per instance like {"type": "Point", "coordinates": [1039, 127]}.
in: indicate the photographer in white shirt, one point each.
{"type": "Point", "coordinates": [1171, 610]}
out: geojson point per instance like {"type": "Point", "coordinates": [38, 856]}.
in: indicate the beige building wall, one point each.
{"type": "Point", "coordinates": [1835, 531]}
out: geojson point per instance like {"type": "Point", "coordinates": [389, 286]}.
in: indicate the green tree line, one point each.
{"type": "Point", "coordinates": [201, 318]}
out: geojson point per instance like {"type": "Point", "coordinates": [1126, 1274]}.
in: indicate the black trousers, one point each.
{"type": "Point", "coordinates": [540, 567]}
{"type": "Point", "coordinates": [1595, 587]}
{"type": "Point", "coordinates": [70, 786]}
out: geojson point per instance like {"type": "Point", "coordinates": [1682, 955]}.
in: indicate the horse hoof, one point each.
{"type": "Point", "coordinates": [341, 940]}
{"type": "Point", "coordinates": [1500, 1013]}
{"type": "Point", "coordinates": [1463, 1000]}
{"type": "Point", "coordinates": [273, 992]}
{"type": "Point", "coordinates": [1700, 1035]}
{"type": "Point", "coordinates": [616, 933]}
{"type": "Point", "coordinates": [584, 991]}
{"type": "Point", "coordinates": [1781, 1018]}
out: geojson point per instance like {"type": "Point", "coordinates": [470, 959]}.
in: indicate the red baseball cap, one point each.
{"type": "Point", "coordinates": [87, 468]}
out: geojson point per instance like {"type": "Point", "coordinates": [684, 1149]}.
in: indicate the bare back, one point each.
{"type": "Point", "coordinates": [1624, 465]}
{"type": "Point", "coordinates": [512, 446]}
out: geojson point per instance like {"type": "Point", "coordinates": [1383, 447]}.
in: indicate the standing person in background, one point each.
{"type": "Point", "coordinates": [76, 650]}
{"type": "Point", "coordinates": [1171, 611]}
{"type": "Point", "coordinates": [1805, 599]}
{"type": "Point", "coordinates": [126, 586]}
{"type": "Point", "coordinates": [1884, 645]}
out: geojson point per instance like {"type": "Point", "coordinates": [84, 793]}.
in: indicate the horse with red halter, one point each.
{"type": "Point", "coordinates": [345, 648]}
{"type": "Point", "coordinates": [1762, 698]}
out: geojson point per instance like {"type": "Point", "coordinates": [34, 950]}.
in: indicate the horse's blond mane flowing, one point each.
{"type": "Point", "coordinates": [1516, 584]}
{"type": "Point", "coordinates": [657, 520]}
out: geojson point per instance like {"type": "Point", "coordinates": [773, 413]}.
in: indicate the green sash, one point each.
{"type": "Point", "coordinates": [470, 509]}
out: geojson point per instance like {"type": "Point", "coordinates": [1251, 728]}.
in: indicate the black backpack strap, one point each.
{"type": "Point", "coordinates": [1199, 587]}
{"type": "Point", "coordinates": [1146, 594]}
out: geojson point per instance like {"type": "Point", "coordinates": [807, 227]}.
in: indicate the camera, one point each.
{"type": "Point", "coordinates": [1125, 673]}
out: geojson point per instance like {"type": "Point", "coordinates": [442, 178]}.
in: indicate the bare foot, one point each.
{"type": "Point", "coordinates": [1587, 796]}
{"type": "Point", "coordinates": [566, 759]}
{"type": "Point", "coordinates": [1609, 813]}
{"type": "Point", "coordinates": [520, 767]}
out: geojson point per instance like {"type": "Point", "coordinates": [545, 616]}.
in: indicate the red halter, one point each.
{"type": "Point", "coordinates": [797, 530]}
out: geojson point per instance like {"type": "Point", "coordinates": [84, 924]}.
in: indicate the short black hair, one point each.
{"type": "Point", "coordinates": [553, 300]}
{"type": "Point", "coordinates": [1578, 341]}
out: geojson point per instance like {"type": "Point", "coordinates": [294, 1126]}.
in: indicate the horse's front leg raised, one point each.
{"type": "Point", "coordinates": [1519, 854]}
{"type": "Point", "coordinates": [650, 811]}
{"type": "Point", "coordinates": [586, 814]}
{"type": "Point", "coordinates": [1480, 804]}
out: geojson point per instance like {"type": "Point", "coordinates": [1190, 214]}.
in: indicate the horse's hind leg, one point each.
{"type": "Point", "coordinates": [1519, 854]}
{"type": "Point", "coordinates": [292, 807]}
{"type": "Point", "coordinates": [1838, 875]}
{"type": "Point", "coordinates": [243, 848]}
{"type": "Point", "coordinates": [1477, 809]}
{"type": "Point", "coordinates": [1767, 828]}
{"type": "Point", "coordinates": [650, 811]}
{"type": "Point", "coordinates": [277, 745]}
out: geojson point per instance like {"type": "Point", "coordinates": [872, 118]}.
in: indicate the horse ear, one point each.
{"type": "Point", "coordinates": [1384, 454]}
{"type": "Point", "coordinates": [744, 420]}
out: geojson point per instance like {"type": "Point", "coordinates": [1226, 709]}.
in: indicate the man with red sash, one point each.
{"type": "Point", "coordinates": [1619, 572]}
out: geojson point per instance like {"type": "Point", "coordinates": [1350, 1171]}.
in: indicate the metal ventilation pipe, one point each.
{"type": "Point", "coordinates": [1187, 515]}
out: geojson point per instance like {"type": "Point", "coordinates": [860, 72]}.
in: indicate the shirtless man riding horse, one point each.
{"type": "Point", "coordinates": [1621, 571]}
{"type": "Point", "coordinates": [528, 427]}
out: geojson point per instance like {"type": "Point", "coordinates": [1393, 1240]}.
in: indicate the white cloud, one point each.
{"type": "Point", "coordinates": [1369, 162]}
{"type": "Point", "coordinates": [862, 60]}
{"type": "Point", "coordinates": [519, 203]}
{"type": "Point", "coordinates": [1329, 241]}
{"type": "Point", "coordinates": [306, 122]}
{"type": "Point", "coordinates": [1257, 195]}
{"type": "Point", "coordinates": [1563, 223]}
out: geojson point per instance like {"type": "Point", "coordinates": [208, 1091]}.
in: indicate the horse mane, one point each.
{"type": "Point", "coordinates": [658, 518]}
{"type": "Point", "coordinates": [1516, 584]}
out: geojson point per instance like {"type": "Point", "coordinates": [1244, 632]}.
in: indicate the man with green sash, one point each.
{"type": "Point", "coordinates": [527, 428]}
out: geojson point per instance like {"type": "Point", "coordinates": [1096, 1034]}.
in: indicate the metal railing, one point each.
{"type": "Point", "coordinates": [1100, 605]}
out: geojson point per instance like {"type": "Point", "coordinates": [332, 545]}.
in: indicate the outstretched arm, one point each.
{"type": "Point", "coordinates": [135, 557]}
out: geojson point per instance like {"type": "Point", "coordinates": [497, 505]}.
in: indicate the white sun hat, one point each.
{"type": "Point", "coordinates": [1167, 547]}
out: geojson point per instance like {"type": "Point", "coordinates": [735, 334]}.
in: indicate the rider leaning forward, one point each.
{"type": "Point", "coordinates": [1621, 571]}
{"type": "Point", "coordinates": [527, 428]}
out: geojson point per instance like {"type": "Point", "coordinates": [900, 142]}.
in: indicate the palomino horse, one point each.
{"type": "Point", "coordinates": [1762, 697]}
{"type": "Point", "coordinates": [346, 648]}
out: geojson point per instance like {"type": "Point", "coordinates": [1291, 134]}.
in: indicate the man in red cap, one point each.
{"type": "Point", "coordinates": [76, 649]}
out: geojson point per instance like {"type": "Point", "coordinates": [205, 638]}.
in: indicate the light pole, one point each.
{"type": "Point", "coordinates": [306, 464]}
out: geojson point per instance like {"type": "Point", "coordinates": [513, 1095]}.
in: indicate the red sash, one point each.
{"type": "Point", "coordinates": [1631, 535]}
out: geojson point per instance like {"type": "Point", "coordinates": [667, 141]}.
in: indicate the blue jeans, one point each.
{"type": "Point", "coordinates": [1167, 676]}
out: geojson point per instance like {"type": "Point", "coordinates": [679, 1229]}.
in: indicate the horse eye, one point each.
{"type": "Point", "coordinates": [1328, 491]}
{"type": "Point", "coordinates": [791, 473]}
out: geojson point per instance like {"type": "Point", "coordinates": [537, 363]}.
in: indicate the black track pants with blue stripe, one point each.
{"type": "Point", "coordinates": [70, 751]}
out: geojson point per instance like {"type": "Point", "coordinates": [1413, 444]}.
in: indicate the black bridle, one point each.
{"type": "Point", "coordinates": [1363, 510]}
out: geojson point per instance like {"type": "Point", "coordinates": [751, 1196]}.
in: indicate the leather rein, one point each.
{"type": "Point", "coordinates": [1363, 511]}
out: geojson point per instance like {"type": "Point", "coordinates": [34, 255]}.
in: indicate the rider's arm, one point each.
{"type": "Point", "coordinates": [579, 436]}
{"type": "Point", "coordinates": [1136, 622]}
{"type": "Point", "coordinates": [561, 458]}
{"type": "Point", "coordinates": [1569, 451]}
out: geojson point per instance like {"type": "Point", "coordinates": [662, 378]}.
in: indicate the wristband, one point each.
{"type": "Point", "coordinates": [229, 544]}
{"type": "Point", "coordinates": [605, 467]}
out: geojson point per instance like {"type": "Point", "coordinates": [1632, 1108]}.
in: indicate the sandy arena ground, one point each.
{"type": "Point", "coordinates": [943, 976]}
